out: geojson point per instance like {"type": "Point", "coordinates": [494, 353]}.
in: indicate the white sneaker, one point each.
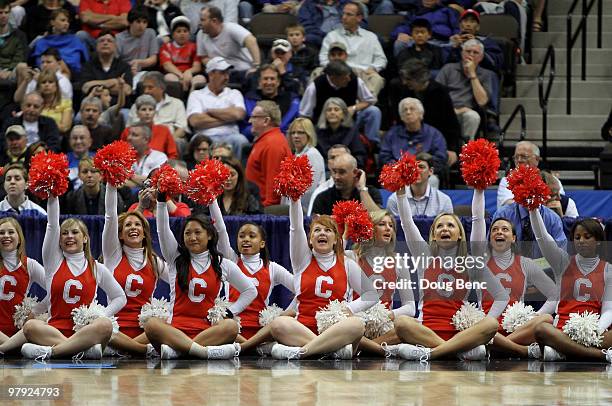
{"type": "Point", "coordinates": [345, 352]}
{"type": "Point", "coordinates": [475, 354]}
{"type": "Point", "coordinates": [534, 351]}
{"type": "Point", "coordinates": [608, 353]}
{"type": "Point", "coordinates": [151, 352]}
{"type": "Point", "coordinates": [550, 354]}
{"type": "Point", "coordinates": [265, 349]}
{"type": "Point", "coordinates": [113, 352]}
{"type": "Point", "coordinates": [168, 352]}
{"type": "Point", "coordinates": [93, 352]}
{"type": "Point", "coordinates": [391, 351]}
{"type": "Point", "coordinates": [413, 352]}
{"type": "Point", "coordinates": [280, 351]}
{"type": "Point", "coordinates": [225, 351]}
{"type": "Point", "coordinates": [36, 352]}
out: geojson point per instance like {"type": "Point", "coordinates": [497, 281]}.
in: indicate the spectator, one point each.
{"type": "Point", "coordinates": [365, 54]}
{"type": "Point", "coordinates": [40, 18]}
{"type": "Point", "coordinates": [178, 58]}
{"type": "Point", "coordinates": [169, 111]}
{"type": "Point", "coordinates": [228, 40]}
{"type": "Point", "coordinates": [302, 140]}
{"type": "Point", "coordinates": [278, 6]}
{"type": "Point", "coordinates": [420, 48]}
{"type": "Point", "coordinates": [339, 81]}
{"type": "Point", "coordinates": [304, 56]}
{"type": "Point", "coordinates": [80, 148]}
{"type": "Point", "coordinates": [105, 69]}
{"type": "Point", "coordinates": [335, 126]}
{"type": "Point", "coordinates": [236, 198]}
{"type": "Point", "coordinates": [28, 78]}
{"type": "Point", "coordinates": [216, 110]}
{"type": "Point", "coordinates": [161, 138]}
{"type": "Point", "coordinates": [33, 149]}
{"type": "Point", "coordinates": [15, 185]}
{"type": "Point", "coordinates": [88, 199]}
{"type": "Point", "coordinates": [147, 204]}
{"type": "Point", "coordinates": [471, 87]}
{"type": "Point", "coordinates": [13, 51]}
{"type": "Point", "coordinates": [112, 116]}
{"type": "Point", "coordinates": [147, 159]}
{"type": "Point", "coordinates": [71, 49]}
{"type": "Point", "coordinates": [98, 16]}
{"type": "Point", "coordinates": [443, 19]}
{"type": "Point", "coordinates": [562, 205]}
{"type": "Point", "coordinates": [193, 10]}
{"type": "Point", "coordinates": [270, 147]}
{"type": "Point", "coordinates": [318, 17]}
{"type": "Point", "coordinates": [424, 199]}
{"type": "Point", "coordinates": [222, 150]}
{"type": "Point", "coordinates": [293, 78]}
{"type": "Point", "coordinates": [138, 45]}
{"type": "Point", "coordinates": [16, 145]}
{"type": "Point", "coordinates": [439, 112]}
{"type": "Point", "coordinates": [161, 14]}
{"type": "Point", "coordinates": [200, 148]}
{"type": "Point", "coordinates": [101, 134]}
{"type": "Point", "coordinates": [413, 136]}
{"type": "Point", "coordinates": [349, 183]}
{"type": "Point", "coordinates": [55, 106]}
{"type": "Point", "coordinates": [268, 89]}
{"type": "Point", "coordinates": [37, 126]}
{"type": "Point", "coordinates": [334, 152]}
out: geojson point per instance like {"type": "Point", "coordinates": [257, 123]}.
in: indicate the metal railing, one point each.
{"type": "Point", "coordinates": [572, 38]}
{"type": "Point", "coordinates": [544, 95]}
{"type": "Point", "coordinates": [520, 109]}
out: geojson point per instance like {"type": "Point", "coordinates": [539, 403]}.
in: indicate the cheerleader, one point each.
{"type": "Point", "coordinates": [515, 273]}
{"type": "Point", "coordinates": [196, 272]}
{"type": "Point", "coordinates": [585, 283]}
{"type": "Point", "coordinates": [254, 262]}
{"type": "Point", "coordinates": [322, 273]}
{"type": "Point", "coordinates": [72, 280]}
{"type": "Point", "coordinates": [382, 246]}
{"type": "Point", "coordinates": [16, 277]}
{"type": "Point", "coordinates": [127, 250]}
{"type": "Point", "coordinates": [433, 336]}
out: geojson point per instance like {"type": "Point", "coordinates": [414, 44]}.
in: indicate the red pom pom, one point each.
{"type": "Point", "coordinates": [398, 174]}
{"type": "Point", "coordinates": [115, 161]}
{"type": "Point", "coordinates": [353, 216]}
{"type": "Point", "coordinates": [206, 181]}
{"type": "Point", "coordinates": [294, 177]}
{"type": "Point", "coordinates": [48, 174]}
{"type": "Point", "coordinates": [479, 163]}
{"type": "Point", "coordinates": [528, 187]}
{"type": "Point", "coordinates": [168, 181]}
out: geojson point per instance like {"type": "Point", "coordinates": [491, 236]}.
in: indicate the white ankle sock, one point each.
{"type": "Point", "coordinates": [198, 351]}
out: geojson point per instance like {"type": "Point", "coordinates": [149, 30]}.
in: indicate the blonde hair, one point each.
{"type": "Point", "coordinates": [272, 110]}
{"type": "Point", "coordinates": [49, 75]}
{"type": "Point", "coordinates": [21, 254]}
{"type": "Point", "coordinates": [71, 222]}
{"type": "Point", "coordinates": [308, 128]}
{"type": "Point", "coordinates": [377, 216]}
{"type": "Point", "coordinates": [328, 221]}
{"type": "Point", "coordinates": [147, 242]}
{"type": "Point", "coordinates": [461, 244]}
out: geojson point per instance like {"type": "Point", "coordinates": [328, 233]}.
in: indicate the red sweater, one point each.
{"type": "Point", "coordinates": [161, 140]}
{"type": "Point", "coordinates": [263, 165]}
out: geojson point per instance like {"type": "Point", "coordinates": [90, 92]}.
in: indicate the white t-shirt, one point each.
{"type": "Point", "coordinates": [64, 85]}
{"type": "Point", "coordinates": [31, 131]}
{"type": "Point", "coordinates": [202, 100]}
{"type": "Point", "coordinates": [153, 160]}
{"type": "Point", "coordinates": [229, 44]}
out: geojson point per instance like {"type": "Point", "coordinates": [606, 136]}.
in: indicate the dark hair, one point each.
{"type": "Point", "coordinates": [215, 12]}
{"type": "Point", "coordinates": [425, 157]}
{"type": "Point", "coordinates": [17, 166]}
{"type": "Point", "coordinates": [592, 226]}
{"type": "Point", "coordinates": [30, 151]}
{"type": "Point", "coordinates": [136, 13]}
{"type": "Point", "coordinates": [5, 4]}
{"type": "Point", "coordinates": [240, 194]}
{"type": "Point", "coordinates": [337, 68]}
{"type": "Point", "coordinates": [195, 142]}
{"type": "Point", "coordinates": [156, 77]}
{"type": "Point", "coordinates": [340, 146]}
{"type": "Point", "coordinates": [181, 23]}
{"type": "Point", "coordinates": [415, 69]}
{"type": "Point", "coordinates": [183, 260]}
{"type": "Point", "coordinates": [105, 31]}
{"type": "Point", "coordinates": [269, 66]}
{"type": "Point", "coordinates": [52, 52]}
{"type": "Point", "coordinates": [513, 247]}
{"type": "Point", "coordinates": [264, 254]}
{"type": "Point", "coordinates": [421, 23]}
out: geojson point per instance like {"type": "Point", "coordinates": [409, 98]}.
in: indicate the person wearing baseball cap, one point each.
{"type": "Point", "coordinates": [294, 78]}
{"type": "Point", "coordinates": [178, 58]}
{"type": "Point", "coordinates": [16, 145]}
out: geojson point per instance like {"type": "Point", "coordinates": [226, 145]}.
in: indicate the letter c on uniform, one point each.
{"type": "Point", "coordinates": [69, 284]}
{"type": "Point", "coordinates": [319, 287]}
{"type": "Point", "coordinates": [192, 284]}
{"type": "Point", "coordinates": [133, 281]}
{"type": "Point", "coordinates": [7, 279]}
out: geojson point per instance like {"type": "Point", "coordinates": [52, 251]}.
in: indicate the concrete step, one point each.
{"type": "Point", "coordinates": [558, 39]}
{"type": "Point", "coordinates": [593, 70]}
{"type": "Point", "coordinates": [560, 138]}
{"type": "Point", "coordinates": [574, 125]}
{"type": "Point", "coordinates": [556, 106]}
{"type": "Point", "coordinates": [559, 22]}
{"type": "Point", "coordinates": [597, 88]}
{"type": "Point", "coordinates": [594, 56]}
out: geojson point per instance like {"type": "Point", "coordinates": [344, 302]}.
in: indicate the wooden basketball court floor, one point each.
{"type": "Point", "coordinates": [252, 381]}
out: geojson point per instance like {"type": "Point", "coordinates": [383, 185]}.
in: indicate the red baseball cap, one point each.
{"type": "Point", "coordinates": [470, 12]}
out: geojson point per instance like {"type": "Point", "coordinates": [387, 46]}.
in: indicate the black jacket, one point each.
{"type": "Point", "coordinates": [47, 132]}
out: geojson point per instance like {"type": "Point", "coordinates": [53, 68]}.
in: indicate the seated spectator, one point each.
{"type": "Point", "coordinates": [270, 148]}
{"type": "Point", "coordinates": [200, 148]}
{"type": "Point", "coordinates": [334, 152]}
{"type": "Point", "coordinates": [269, 89]}
{"type": "Point", "coordinates": [169, 110]}
{"type": "Point", "coordinates": [15, 185]}
{"type": "Point", "coordinates": [413, 136]}
{"type": "Point", "coordinates": [516, 8]}
{"type": "Point", "coordinates": [161, 138]}
{"type": "Point", "coordinates": [147, 159]}
{"type": "Point", "coordinates": [147, 205]}
{"type": "Point", "coordinates": [112, 116]}
{"type": "Point", "coordinates": [99, 16]}
{"type": "Point", "coordinates": [230, 41]}
{"type": "Point", "coordinates": [80, 148]}
{"type": "Point", "coordinates": [40, 18]}
{"type": "Point", "coordinates": [33, 149]}
{"type": "Point", "coordinates": [424, 199]}
{"type": "Point", "coordinates": [138, 46]}
{"type": "Point", "coordinates": [222, 150]}
{"type": "Point", "coordinates": [335, 126]}
{"type": "Point", "coordinates": [279, 6]}
{"type": "Point", "coordinates": [420, 48]}
{"type": "Point", "coordinates": [559, 203]}
{"type": "Point", "coordinates": [349, 183]}
{"type": "Point", "coordinates": [88, 199]}
{"type": "Point", "coordinates": [338, 81]}
{"type": "Point", "coordinates": [192, 9]}
{"type": "Point", "coordinates": [55, 106]}
{"type": "Point", "coordinates": [16, 145]}
{"type": "Point", "coordinates": [236, 198]}
{"type": "Point", "coordinates": [178, 57]}
{"type": "Point", "coordinates": [105, 68]}
{"type": "Point", "coordinates": [439, 112]}
{"type": "Point", "coordinates": [293, 78]}
{"type": "Point", "coordinates": [365, 54]}
{"type": "Point", "coordinates": [28, 77]}
{"type": "Point", "coordinates": [469, 23]}
{"type": "Point", "coordinates": [470, 86]}
{"type": "Point", "coordinates": [161, 14]}
{"type": "Point", "coordinates": [303, 55]}
{"type": "Point", "coordinates": [71, 49]}
{"type": "Point", "coordinates": [101, 134]}
{"type": "Point", "coordinates": [37, 126]}
{"type": "Point", "coordinates": [13, 51]}
{"type": "Point", "coordinates": [216, 110]}
{"type": "Point", "coordinates": [318, 17]}
{"type": "Point", "coordinates": [302, 140]}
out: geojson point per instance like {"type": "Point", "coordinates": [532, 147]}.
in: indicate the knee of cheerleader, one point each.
{"type": "Point", "coordinates": [104, 327]}
{"type": "Point", "coordinates": [150, 327]}
{"type": "Point", "coordinates": [401, 323]}
{"type": "Point", "coordinates": [541, 331]}
{"type": "Point", "coordinates": [279, 326]}
{"type": "Point", "coordinates": [30, 327]}
{"type": "Point", "coordinates": [230, 327]}
{"type": "Point", "coordinates": [356, 327]}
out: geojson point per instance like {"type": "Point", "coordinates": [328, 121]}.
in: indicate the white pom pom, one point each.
{"type": "Point", "coordinates": [23, 311]}
{"type": "Point", "coordinates": [516, 315]}
{"type": "Point", "coordinates": [467, 316]}
{"type": "Point", "coordinates": [377, 321]}
{"type": "Point", "coordinates": [43, 317]}
{"type": "Point", "coordinates": [268, 314]}
{"type": "Point", "coordinates": [85, 314]}
{"type": "Point", "coordinates": [159, 308]}
{"type": "Point", "coordinates": [334, 312]}
{"type": "Point", "coordinates": [582, 328]}
{"type": "Point", "coordinates": [218, 311]}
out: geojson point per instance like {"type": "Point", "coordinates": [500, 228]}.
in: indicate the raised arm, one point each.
{"type": "Point", "coordinates": [478, 235]}
{"type": "Point", "coordinates": [299, 251]}
{"type": "Point", "coordinates": [51, 252]}
{"type": "Point", "coordinates": [224, 246]}
{"type": "Point", "coordinates": [557, 257]}
{"type": "Point", "coordinates": [416, 244]}
{"type": "Point", "coordinates": [114, 293]}
{"type": "Point", "coordinates": [360, 283]}
{"type": "Point", "coordinates": [111, 246]}
{"type": "Point", "coordinates": [167, 242]}
{"type": "Point", "coordinates": [242, 283]}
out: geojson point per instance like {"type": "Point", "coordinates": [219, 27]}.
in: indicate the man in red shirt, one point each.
{"type": "Point", "coordinates": [97, 15]}
{"type": "Point", "coordinates": [270, 147]}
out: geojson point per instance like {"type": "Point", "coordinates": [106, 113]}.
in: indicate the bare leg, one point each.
{"type": "Point", "coordinates": [289, 331]}
{"type": "Point", "coordinates": [524, 335]}
{"type": "Point", "coordinates": [13, 343]}
{"type": "Point", "coordinates": [479, 334]}
{"type": "Point", "coordinates": [410, 331]}
{"type": "Point", "coordinates": [389, 337]}
{"type": "Point", "coordinates": [263, 335]}
{"type": "Point", "coordinates": [223, 333]}
{"type": "Point", "coordinates": [547, 334]}
{"type": "Point", "coordinates": [123, 342]}
{"type": "Point", "coordinates": [504, 345]}
{"type": "Point", "coordinates": [3, 337]}
{"type": "Point", "coordinates": [39, 332]}
{"type": "Point", "coordinates": [159, 332]}
{"type": "Point", "coordinates": [371, 347]}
